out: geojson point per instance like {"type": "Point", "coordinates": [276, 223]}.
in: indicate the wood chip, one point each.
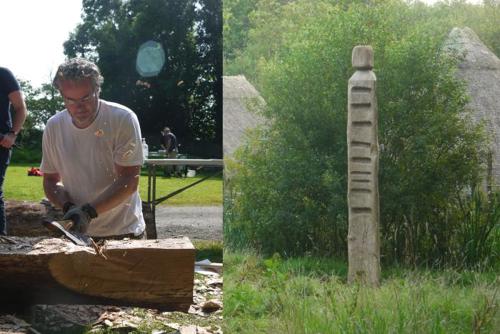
{"type": "Point", "coordinates": [211, 305]}
{"type": "Point", "coordinates": [193, 329]}
{"type": "Point", "coordinates": [216, 282]}
{"type": "Point", "coordinates": [108, 323]}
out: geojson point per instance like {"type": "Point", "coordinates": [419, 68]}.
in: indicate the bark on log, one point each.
{"type": "Point", "coordinates": [13, 325]}
{"type": "Point", "coordinates": [24, 219]}
{"type": "Point", "coordinates": [65, 318]}
{"type": "Point", "coordinates": [147, 273]}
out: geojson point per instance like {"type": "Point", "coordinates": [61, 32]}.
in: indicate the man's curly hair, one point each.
{"type": "Point", "coordinates": [78, 69]}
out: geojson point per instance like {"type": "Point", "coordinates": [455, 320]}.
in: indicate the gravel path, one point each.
{"type": "Point", "coordinates": [195, 222]}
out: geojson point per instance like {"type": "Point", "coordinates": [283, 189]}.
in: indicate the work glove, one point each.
{"type": "Point", "coordinates": [68, 205]}
{"type": "Point", "coordinates": [81, 217]}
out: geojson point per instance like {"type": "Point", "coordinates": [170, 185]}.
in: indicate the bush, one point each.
{"type": "Point", "coordinates": [478, 230]}
{"type": "Point", "coordinates": [290, 186]}
{"type": "Point", "coordinates": [28, 147]}
{"type": "Point", "coordinates": [26, 155]}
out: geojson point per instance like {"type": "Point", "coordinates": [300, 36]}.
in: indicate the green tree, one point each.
{"type": "Point", "coordinates": [262, 37]}
{"type": "Point", "coordinates": [236, 26]}
{"type": "Point", "coordinates": [42, 103]}
{"type": "Point", "coordinates": [209, 36]}
{"type": "Point", "coordinates": [184, 95]}
{"type": "Point", "coordinates": [483, 19]}
{"type": "Point", "coordinates": [290, 189]}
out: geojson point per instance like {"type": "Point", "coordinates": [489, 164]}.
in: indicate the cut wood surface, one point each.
{"type": "Point", "coordinates": [151, 273]}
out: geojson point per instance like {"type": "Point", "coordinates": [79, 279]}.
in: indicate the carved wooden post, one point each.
{"type": "Point", "coordinates": [362, 193]}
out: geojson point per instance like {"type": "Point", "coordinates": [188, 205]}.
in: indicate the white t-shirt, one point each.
{"type": "Point", "coordinates": [85, 159]}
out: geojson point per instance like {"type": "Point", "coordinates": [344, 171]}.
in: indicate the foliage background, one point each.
{"type": "Point", "coordinates": [186, 95]}
{"type": "Point", "coordinates": [289, 195]}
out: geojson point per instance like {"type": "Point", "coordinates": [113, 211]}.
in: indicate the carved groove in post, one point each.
{"type": "Point", "coordinates": [361, 210]}
{"type": "Point", "coordinates": [362, 123]}
{"type": "Point", "coordinates": [361, 159]}
{"type": "Point", "coordinates": [360, 144]}
{"type": "Point", "coordinates": [361, 89]}
{"type": "Point", "coordinates": [354, 172]}
{"type": "Point", "coordinates": [362, 192]}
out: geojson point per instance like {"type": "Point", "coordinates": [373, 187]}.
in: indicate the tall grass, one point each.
{"type": "Point", "coordinates": [463, 235]}
{"type": "Point", "coordinates": [478, 234]}
{"type": "Point", "coordinates": [310, 295]}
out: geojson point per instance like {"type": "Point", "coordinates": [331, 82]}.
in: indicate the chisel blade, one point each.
{"type": "Point", "coordinates": [77, 239]}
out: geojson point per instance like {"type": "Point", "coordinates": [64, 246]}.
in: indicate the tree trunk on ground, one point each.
{"type": "Point", "coordinates": [148, 273]}
{"type": "Point", "coordinates": [24, 219]}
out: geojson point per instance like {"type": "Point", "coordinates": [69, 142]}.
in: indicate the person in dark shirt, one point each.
{"type": "Point", "coordinates": [11, 98]}
{"type": "Point", "coordinates": [169, 144]}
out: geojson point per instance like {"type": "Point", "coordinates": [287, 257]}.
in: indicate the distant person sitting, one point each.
{"type": "Point", "coordinates": [169, 144]}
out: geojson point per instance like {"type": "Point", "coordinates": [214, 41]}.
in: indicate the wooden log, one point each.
{"type": "Point", "coordinates": [147, 273]}
{"type": "Point", "coordinates": [24, 219]}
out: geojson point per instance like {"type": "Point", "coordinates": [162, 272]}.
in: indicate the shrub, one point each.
{"type": "Point", "coordinates": [29, 147]}
{"type": "Point", "coordinates": [290, 186]}
{"type": "Point", "coordinates": [477, 234]}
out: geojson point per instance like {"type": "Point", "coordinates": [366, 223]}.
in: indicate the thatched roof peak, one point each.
{"type": "Point", "coordinates": [480, 69]}
{"type": "Point", "coordinates": [237, 87]}
{"type": "Point", "coordinates": [238, 96]}
{"type": "Point", "coordinates": [476, 54]}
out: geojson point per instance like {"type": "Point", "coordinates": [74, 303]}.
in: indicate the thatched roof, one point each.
{"type": "Point", "coordinates": [480, 69]}
{"type": "Point", "coordinates": [238, 95]}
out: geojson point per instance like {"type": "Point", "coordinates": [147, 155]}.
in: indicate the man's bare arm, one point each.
{"type": "Point", "coordinates": [125, 185]}
{"type": "Point", "coordinates": [20, 113]}
{"type": "Point", "coordinates": [55, 191]}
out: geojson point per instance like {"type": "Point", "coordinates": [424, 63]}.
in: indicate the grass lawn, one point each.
{"type": "Point", "coordinates": [310, 295]}
{"type": "Point", "coordinates": [19, 186]}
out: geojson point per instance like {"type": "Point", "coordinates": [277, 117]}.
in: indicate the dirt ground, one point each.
{"type": "Point", "coordinates": [204, 316]}
{"type": "Point", "coordinates": [195, 222]}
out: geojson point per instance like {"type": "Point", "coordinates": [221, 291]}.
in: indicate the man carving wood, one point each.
{"type": "Point", "coordinates": [92, 156]}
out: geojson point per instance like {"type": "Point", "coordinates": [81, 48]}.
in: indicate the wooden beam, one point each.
{"type": "Point", "coordinates": [146, 273]}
